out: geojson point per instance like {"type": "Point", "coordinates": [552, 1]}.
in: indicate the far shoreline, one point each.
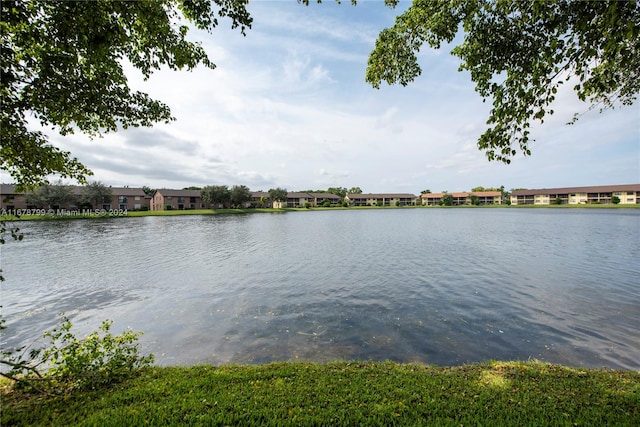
{"type": "Point", "coordinates": [75, 215]}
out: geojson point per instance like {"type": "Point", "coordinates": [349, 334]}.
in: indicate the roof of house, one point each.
{"type": "Point", "coordinates": [127, 191]}
{"type": "Point", "coordinates": [167, 192]}
{"type": "Point", "coordinates": [323, 195]}
{"type": "Point", "coordinates": [463, 194]}
{"type": "Point", "coordinates": [487, 193]}
{"type": "Point", "coordinates": [9, 189]}
{"type": "Point", "coordinates": [567, 190]}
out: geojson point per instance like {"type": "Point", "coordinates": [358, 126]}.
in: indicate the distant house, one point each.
{"type": "Point", "coordinates": [464, 198]}
{"type": "Point", "coordinates": [167, 199]}
{"type": "Point", "coordinates": [10, 199]}
{"type": "Point", "coordinates": [627, 194]}
{"type": "Point", "coordinates": [318, 199]}
{"type": "Point", "coordinates": [125, 198]}
{"type": "Point", "coordinates": [260, 199]}
{"type": "Point", "coordinates": [382, 199]}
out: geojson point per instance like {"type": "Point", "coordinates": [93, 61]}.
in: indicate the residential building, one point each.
{"type": "Point", "coordinates": [391, 199]}
{"type": "Point", "coordinates": [628, 194]}
{"type": "Point", "coordinates": [10, 199]}
{"type": "Point", "coordinates": [300, 200]}
{"type": "Point", "coordinates": [464, 198]}
{"type": "Point", "coordinates": [125, 198]}
{"type": "Point", "coordinates": [167, 199]}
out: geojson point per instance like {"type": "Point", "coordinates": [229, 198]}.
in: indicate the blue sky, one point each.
{"type": "Point", "coordinates": [287, 106]}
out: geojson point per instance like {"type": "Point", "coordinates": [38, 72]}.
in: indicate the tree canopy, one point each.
{"type": "Point", "coordinates": [62, 64]}
{"type": "Point", "coordinates": [96, 194]}
{"type": "Point", "coordinates": [216, 195]}
{"type": "Point", "coordinates": [239, 195]}
{"type": "Point", "coordinates": [278, 194]}
{"type": "Point", "coordinates": [518, 53]}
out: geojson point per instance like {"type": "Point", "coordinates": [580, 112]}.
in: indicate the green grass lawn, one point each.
{"type": "Point", "coordinates": [345, 393]}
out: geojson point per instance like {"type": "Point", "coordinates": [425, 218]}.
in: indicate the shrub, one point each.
{"type": "Point", "coordinates": [71, 363]}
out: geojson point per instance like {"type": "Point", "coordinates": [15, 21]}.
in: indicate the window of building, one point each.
{"type": "Point", "coordinates": [122, 199]}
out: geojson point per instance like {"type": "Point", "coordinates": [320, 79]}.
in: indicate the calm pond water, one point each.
{"type": "Point", "coordinates": [436, 286]}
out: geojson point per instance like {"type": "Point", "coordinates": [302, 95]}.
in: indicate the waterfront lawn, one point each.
{"type": "Point", "coordinates": [345, 393]}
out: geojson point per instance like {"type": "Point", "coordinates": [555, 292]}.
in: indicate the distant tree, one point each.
{"type": "Point", "coordinates": [95, 194]}
{"type": "Point", "coordinates": [278, 194]}
{"type": "Point", "coordinates": [446, 200]}
{"type": "Point", "coordinates": [338, 191]}
{"type": "Point", "coordinates": [615, 200]}
{"type": "Point", "coordinates": [354, 190]}
{"type": "Point", "coordinates": [557, 201]}
{"type": "Point", "coordinates": [148, 190]}
{"type": "Point", "coordinates": [52, 196]}
{"type": "Point", "coordinates": [263, 201]}
{"type": "Point", "coordinates": [478, 189]}
{"type": "Point", "coordinates": [427, 191]}
{"type": "Point", "coordinates": [216, 195]}
{"type": "Point", "coordinates": [240, 194]}
{"type": "Point", "coordinates": [474, 200]}
{"type": "Point", "coordinates": [193, 187]}
{"type": "Point", "coordinates": [518, 53]}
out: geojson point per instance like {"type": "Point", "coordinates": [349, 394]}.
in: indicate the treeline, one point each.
{"type": "Point", "coordinates": [91, 195]}
{"type": "Point", "coordinates": [239, 195]}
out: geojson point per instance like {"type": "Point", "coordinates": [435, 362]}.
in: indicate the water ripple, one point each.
{"type": "Point", "coordinates": [427, 285]}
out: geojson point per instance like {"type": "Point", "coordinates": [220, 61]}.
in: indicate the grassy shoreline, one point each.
{"type": "Point", "coordinates": [137, 214]}
{"type": "Point", "coordinates": [345, 393]}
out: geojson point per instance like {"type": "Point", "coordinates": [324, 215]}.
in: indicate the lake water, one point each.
{"type": "Point", "coordinates": [435, 286]}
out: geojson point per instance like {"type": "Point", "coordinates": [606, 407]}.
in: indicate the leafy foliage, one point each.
{"type": "Point", "coordinates": [50, 195]}
{"type": "Point", "coordinates": [96, 193]}
{"type": "Point", "coordinates": [338, 191]}
{"type": "Point", "coordinates": [148, 190]}
{"type": "Point", "coordinates": [71, 363]}
{"type": "Point", "coordinates": [278, 194]}
{"type": "Point", "coordinates": [239, 195]}
{"type": "Point", "coordinates": [518, 53]}
{"type": "Point", "coordinates": [446, 200]}
{"type": "Point", "coordinates": [62, 63]}
{"type": "Point", "coordinates": [216, 195]}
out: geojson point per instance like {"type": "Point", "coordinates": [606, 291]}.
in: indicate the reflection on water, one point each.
{"type": "Point", "coordinates": [438, 286]}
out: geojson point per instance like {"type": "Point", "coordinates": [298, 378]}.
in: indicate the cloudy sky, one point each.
{"type": "Point", "coordinates": [288, 106]}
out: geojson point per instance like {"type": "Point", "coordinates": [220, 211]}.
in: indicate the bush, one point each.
{"type": "Point", "coordinates": [71, 363]}
{"type": "Point", "coordinates": [307, 205]}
